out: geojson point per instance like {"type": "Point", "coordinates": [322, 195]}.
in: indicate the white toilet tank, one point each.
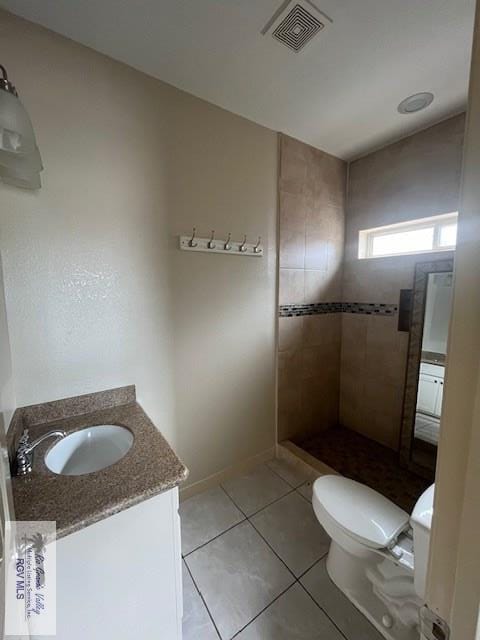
{"type": "Point", "coordinates": [421, 522]}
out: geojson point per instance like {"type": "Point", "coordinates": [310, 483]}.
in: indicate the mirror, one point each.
{"type": "Point", "coordinates": [429, 323]}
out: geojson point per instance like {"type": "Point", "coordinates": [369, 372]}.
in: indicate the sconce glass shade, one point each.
{"type": "Point", "coordinates": [20, 161]}
{"type": "Point", "coordinates": [23, 179]}
{"type": "Point", "coordinates": [31, 161]}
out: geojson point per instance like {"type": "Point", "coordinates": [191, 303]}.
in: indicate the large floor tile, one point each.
{"type": "Point", "coordinates": [291, 473]}
{"type": "Point", "coordinates": [348, 619]}
{"type": "Point", "coordinates": [294, 616]}
{"type": "Point", "coordinates": [291, 528]}
{"type": "Point", "coordinates": [205, 516]}
{"type": "Point", "coordinates": [196, 624]}
{"type": "Point", "coordinates": [255, 490]}
{"type": "Point", "coordinates": [306, 490]}
{"type": "Point", "coordinates": [238, 576]}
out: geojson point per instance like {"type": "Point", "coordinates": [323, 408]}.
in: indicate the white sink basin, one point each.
{"type": "Point", "coordinates": [89, 450]}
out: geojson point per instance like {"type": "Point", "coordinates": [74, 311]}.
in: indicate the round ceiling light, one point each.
{"type": "Point", "coordinates": [415, 103]}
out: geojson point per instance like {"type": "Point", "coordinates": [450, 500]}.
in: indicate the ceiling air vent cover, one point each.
{"type": "Point", "coordinates": [295, 23]}
{"type": "Point", "coordinates": [296, 29]}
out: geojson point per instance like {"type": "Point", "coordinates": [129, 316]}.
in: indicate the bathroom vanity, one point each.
{"type": "Point", "coordinates": [118, 529]}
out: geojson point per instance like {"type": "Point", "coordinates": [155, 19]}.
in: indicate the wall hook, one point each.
{"type": "Point", "coordinates": [192, 242]}
{"type": "Point", "coordinates": [211, 243]}
{"type": "Point", "coordinates": [257, 248]}
{"type": "Point", "coordinates": [243, 246]}
{"type": "Point", "coordinates": [227, 245]}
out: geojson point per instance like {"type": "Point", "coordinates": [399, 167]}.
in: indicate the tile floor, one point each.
{"type": "Point", "coordinates": [359, 458]}
{"type": "Point", "coordinates": [254, 563]}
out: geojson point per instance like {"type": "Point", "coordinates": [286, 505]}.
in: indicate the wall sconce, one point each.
{"type": "Point", "coordinates": [20, 161]}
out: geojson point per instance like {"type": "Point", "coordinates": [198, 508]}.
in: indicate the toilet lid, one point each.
{"type": "Point", "coordinates": [360, 511]}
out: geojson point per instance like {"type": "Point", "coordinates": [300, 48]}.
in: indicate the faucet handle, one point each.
{"type": "Point", "coordinates": [25, 437]}
{"type": "Point", "coordinates": [24, 453]}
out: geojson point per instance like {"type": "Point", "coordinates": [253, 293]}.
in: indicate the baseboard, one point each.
{"type": "Point", "coordinates": [289, 451]}
{"type": "Point", "coordinates": [234, 470]}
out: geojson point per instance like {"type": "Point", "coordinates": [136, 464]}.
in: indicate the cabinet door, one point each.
{"type": "Point", "coordinates": [438, 402]}
{"type": "Point", "coordinates": [120, 578]}
{"type": "Point", "coordinates": [427, 393]}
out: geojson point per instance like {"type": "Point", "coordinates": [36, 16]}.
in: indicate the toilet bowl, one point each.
{"type": "Point", "coordinates": [371, 557]}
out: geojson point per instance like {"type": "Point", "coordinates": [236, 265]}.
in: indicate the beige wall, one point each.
{"type": "Point", "coordinates": [416, 177]}
{"type": "Point", "coordinates": [97, 293]}
{"type": "Point", "coordinates": [222, 175]}
{"type": "Point", "coordinates": [312, 205]}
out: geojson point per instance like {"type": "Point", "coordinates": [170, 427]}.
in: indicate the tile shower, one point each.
{"type": "Point", "coordinates": [341, 358]}
{"type": "Point", "coordinates": [312, 222]}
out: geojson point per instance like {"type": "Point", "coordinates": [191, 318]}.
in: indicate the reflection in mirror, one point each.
{"type": "Point", "coordinates": [438, 304]}
{"type": "Point", "coordinates": [430, 319]}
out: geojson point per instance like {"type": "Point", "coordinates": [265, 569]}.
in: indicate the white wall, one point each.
{"type": "Point", "coordinates": [438, 307]}
{"type": "Point", "coordinates": [7, 406]}
{"type": "Point", "coordinates": [97, 293]}
{"type": "Point", "coordinates": [7, 391]}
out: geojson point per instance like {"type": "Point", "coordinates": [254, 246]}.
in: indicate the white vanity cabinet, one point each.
{"type": "Point", "coordinates": [430, 389]}
{"type": "Point", "coordinates": [121, 578]}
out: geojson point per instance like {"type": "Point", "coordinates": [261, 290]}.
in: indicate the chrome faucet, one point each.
{"type": "Point", "coordinates": [23, 461]}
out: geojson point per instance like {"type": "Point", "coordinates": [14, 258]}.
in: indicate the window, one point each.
{"type": "Point", "coordinates": [426, 235]}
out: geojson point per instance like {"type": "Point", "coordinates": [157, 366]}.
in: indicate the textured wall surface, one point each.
{"type": "Point", "coordinates": [98, 294]}
{"type": "Point", "coordinates": [7, 388]}
{"type": "Point", "coordinates": [416, 177]}
{"type": "Point", "coordinates": [312, 220]}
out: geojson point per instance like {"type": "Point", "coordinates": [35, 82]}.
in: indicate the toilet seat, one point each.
{"type": "Point", "coordinates": [358, 511]}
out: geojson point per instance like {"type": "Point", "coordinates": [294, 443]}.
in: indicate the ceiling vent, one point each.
{"type": "Point", "coordinates": [295, 23]}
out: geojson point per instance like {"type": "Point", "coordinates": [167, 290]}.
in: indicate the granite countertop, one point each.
{"type": "Point", "coordinates": [430, 357]}
{"type": "Point", "coordinates": [74, 502]}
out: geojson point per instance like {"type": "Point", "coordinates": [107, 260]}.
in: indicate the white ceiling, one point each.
{"type": "Point", "coordinates": [340, 93]}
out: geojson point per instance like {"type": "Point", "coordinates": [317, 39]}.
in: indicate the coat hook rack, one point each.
{"type": "Point", "coordinates": [214, 245]}
{"type": "Point", "coordinates": [191, 243]}
{"type": "Point", "coordinates": [211, 242]}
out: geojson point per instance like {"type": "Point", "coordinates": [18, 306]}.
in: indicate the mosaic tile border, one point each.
{"type": "Point", "coordinates": [370, 308]}
{"type": "Point", "coordinates": [317, 308]}
{"type": "Point", "coordinates": [290, 310]}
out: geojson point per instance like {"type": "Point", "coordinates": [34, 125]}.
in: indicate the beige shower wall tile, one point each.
{"type": "Point", "coordinates": [373, 362]}
{"type": "Point", "coordinates": [293, 173]}
{"type": "Point", "coordinates": [289, 394]}
{"type": "Point", "coordinates": [291, 286]}
{"type": "Point", "coordinates": [312, 200]}
{"type": "Point", "coordinates": [372, 280]}
{"type": "Point", "coordinates": [326, 179]}
{"type": "Point", "coordinates": [317, 286]}
{"type": "Point", "coordinates": [354, 338]}
{"type": "Point", "coordinates": [322, 330]}
{"type": "Point", "coordinates": [293, 147]}
{"type": "Point", "coordinates": [321, 361]}
{"type": "Point", "coordinates": [295, 209]}
{"type": "Point", "coordinates": [292, 249]}
{"type": "Point", "coordinates": [386, 350]}
{"type": "Point", "coordinates": [319, 403]}
{"type": "Point", "coordinates": [316, 250]}
{"type": "Point", "coordinates": [383, 404]}
{"type": "Point", "coordinates": [322, 286]}
{"type": "Point", "coordinates": [324, 237]}
{"type": "Point", "coordinates": [290, 333]}
{"type": "Point", "coordinates": [351, 401]}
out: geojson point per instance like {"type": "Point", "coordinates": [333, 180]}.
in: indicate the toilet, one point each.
{"type": "Point", "coordinates": [378, 555]}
